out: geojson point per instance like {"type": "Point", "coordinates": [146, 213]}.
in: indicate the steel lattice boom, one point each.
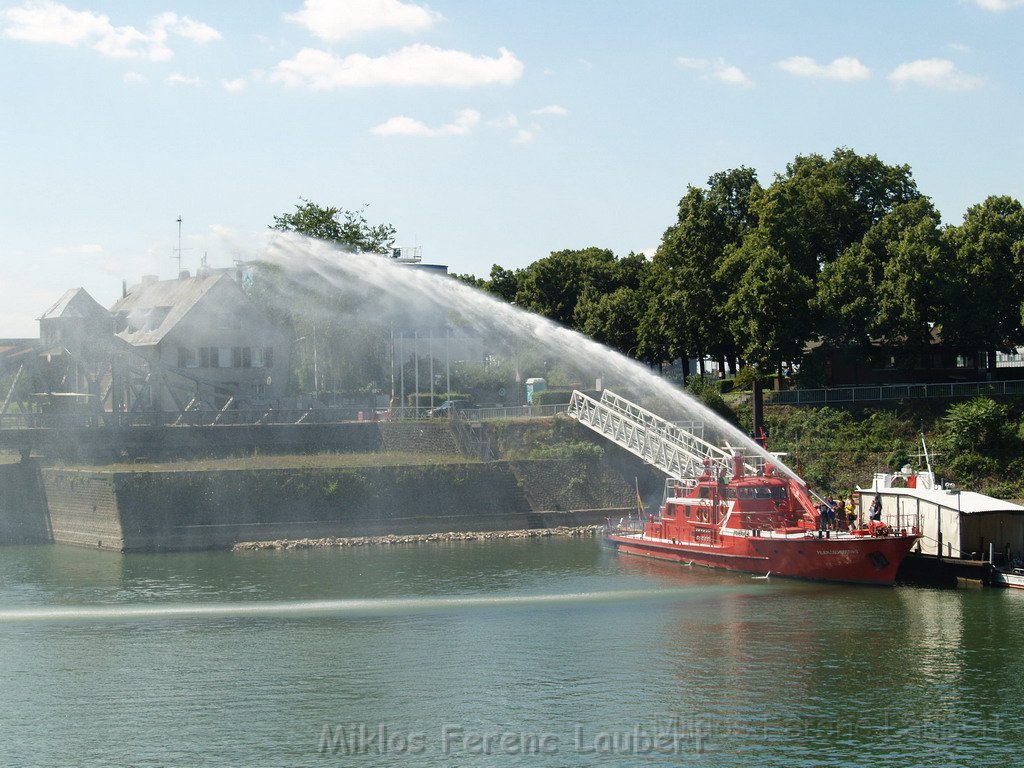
{"type": "Point", "coordinates": [674, 449]}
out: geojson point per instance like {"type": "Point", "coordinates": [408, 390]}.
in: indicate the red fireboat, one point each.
{"type": "Point", "coordinates": [761, 522]}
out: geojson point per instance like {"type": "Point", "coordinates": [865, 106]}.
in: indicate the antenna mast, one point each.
{"type": "Point", "coordinates": [179, 249]}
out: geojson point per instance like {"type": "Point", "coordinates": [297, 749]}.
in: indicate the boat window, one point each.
{"type": "Point", "coordinates": [705, 492]}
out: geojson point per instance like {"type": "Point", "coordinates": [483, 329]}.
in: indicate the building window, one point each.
{"type": "Point", "coordinates": [223, 357]}
{"type": "Point", "coordinates": [247, 357]}
{"type": "Point", "coordinates": [258, 359]}
{"type": "Point", "coordinates": [204, 357]}
{"type": "Point", "coordinates": [258, 389]}
{"type": "Point", "coordinates": [965, 361]}
{"type": "Point", "coordinates": [187, 357]}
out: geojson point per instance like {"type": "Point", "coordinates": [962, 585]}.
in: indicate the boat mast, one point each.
{"type": "Point", "coordinates": [927, 458]}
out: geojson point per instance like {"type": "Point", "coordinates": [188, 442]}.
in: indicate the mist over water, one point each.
{"type": "Point", "coordinates": [322, 277]}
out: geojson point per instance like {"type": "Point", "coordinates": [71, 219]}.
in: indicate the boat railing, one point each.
{"type": "Point", "coordinates": [625, 525]}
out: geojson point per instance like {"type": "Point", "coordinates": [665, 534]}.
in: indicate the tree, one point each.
{"type": "Point", "coordinates": [614, 318]}
{"type": "Point", "coordinates": [691, 296]}
{"type": "Point", "coordinates": [911, 277]}
{"type": "Point", "coordinates": [471, 280]}
{"type": "Point", "coordinates": [884, 286]}
{"type": "Point", "coordinates": [503, 283]}
{"type": "Point", "coordinates": [551, 286]}
{"type": "Point", "coordinates": [347, 228]}
{"type": "Point", "coordinates": [818, 208]}
{"type": "Point", "coordinates": [769, 311]}
{"type": "Point", "coordinates": [981, 302]}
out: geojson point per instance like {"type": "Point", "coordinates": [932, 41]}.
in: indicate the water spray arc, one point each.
{"type": "Point", "coordinates": [409, 298]}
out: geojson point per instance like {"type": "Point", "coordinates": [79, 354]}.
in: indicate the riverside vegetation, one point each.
{"type": "Point", "coordinates": [977, 444]}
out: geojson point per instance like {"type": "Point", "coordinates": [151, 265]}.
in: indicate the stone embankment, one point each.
{"type": "Point", "coordinates": [332, 542]}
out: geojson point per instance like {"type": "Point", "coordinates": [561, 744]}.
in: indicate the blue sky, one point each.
{"type": "Point", "coordinates": [485, 132]}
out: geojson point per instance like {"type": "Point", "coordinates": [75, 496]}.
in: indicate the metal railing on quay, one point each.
{"type": "Point", "coordinates": [826, 396]}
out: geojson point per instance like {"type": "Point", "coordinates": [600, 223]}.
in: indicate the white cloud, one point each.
{"type": "Point", "coordinates": [412, 65]}
{"type": "Point", "coordinates": [717, 69]}
{"type": "Point", "coordinates": [508, 121]}
{"type": "Point", "coordinates": [190, 29]}
{"type": "Point", "coordinates": [178, 78]}
{"type": "Point", "coordinates": [845, 68]}
{"type": "Point", "coordinates": [332, 20]}
{"type": "Point", "coordinates": [464, 122]}
{"type": "Point", "coordinates": [523, 136]}
{"type": "Point", "coordinates": [999, 5]}
{"type": "Point", "coordinates": [135, 77]}
{"type": "Point", "coordinates": [551, 109]}
{"type": "Point", "coordinates": [959, 47]}
{"type": "Point", "coordinates": [45, 21]}
{"type": "Point", "coordinates": [234, 86]}
{"type": "Point", "coordinates": [86, 249]}
{"type": "Point", "coordinates": [934, 73]}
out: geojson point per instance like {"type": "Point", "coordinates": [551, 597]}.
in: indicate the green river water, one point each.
{"type": "Point", "coordinates": [552, 652]}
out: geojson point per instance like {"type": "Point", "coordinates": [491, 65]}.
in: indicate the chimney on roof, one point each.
{"type": "Point", "coordinates": [124, 288]}
{"type": "Point", "coordinates": [184, 275]}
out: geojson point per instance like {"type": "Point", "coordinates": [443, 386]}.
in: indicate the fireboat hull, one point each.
{"type": "Point", "coordinates": [848, 559]}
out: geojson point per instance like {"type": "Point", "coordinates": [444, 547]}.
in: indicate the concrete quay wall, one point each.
{"type": "Point", "coordinates": [182, 510]}
{"type": "Point", "coordinates": [23, 515]}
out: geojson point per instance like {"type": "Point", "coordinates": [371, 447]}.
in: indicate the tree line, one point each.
{"type": "Point", "coordinates": [844, 250]}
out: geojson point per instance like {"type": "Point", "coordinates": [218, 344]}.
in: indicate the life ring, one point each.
{"type": "Point", "coordinates": [703, 514]}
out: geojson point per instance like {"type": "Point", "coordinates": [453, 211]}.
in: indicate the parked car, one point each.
{"type": "Point", "coordinates": [448, 408]}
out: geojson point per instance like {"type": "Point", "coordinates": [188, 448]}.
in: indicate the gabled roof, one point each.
{"type": "Point", "coordinates": [151, 310]}
{"type": "Point", "coordinates": [75, 303]}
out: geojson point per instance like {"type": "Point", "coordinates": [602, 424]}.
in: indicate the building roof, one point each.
{"type": "Point", "coordinates": [75, 303]}
{"type": "Point", "coordinates": [969, 502]}
{"type": "Point", "coordinates": [152, 309]}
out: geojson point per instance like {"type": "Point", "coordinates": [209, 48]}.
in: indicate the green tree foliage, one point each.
{"type": "Point", "coordinates": [552, 286]}
{"type": "Point", "coordinates": [503, 283]}
{"type": "Point", "coordinates": [707, 392]}
{"type": "Point", "coordinates": [981, 301]}
{"type": "Point", "coordinates": [347, 228]}
{"type": "Point", "coordinates": [819, 207]}
{"type": "Point", "coordinates": [843, 250]}
{"type": "Point", "coordinates": [912, 275]}
{"type": "Point", "coordinates": [613, 318]}
{"type": "Point", "coordinates": [977, 425]}
{"type": "Point", "coordinates": [769, 311]}
{"type": "Point", "coordinates": [692, 287]}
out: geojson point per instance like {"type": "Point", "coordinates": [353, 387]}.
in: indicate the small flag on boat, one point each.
{"type": "Point", "coordinates": [639, 499]}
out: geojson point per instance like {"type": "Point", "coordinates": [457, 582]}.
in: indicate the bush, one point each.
{"type": "Point", "coordinates": [570, 450]}
{"type": "Point", "coordinates": [746, 377]}
{"type": "Point", "coordinates": [976, 425]}
{"type": "Point", "coordinates": [705, 390]}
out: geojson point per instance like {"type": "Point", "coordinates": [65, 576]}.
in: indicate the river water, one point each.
{"type": "Point", "coordinates": [537, 653]}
